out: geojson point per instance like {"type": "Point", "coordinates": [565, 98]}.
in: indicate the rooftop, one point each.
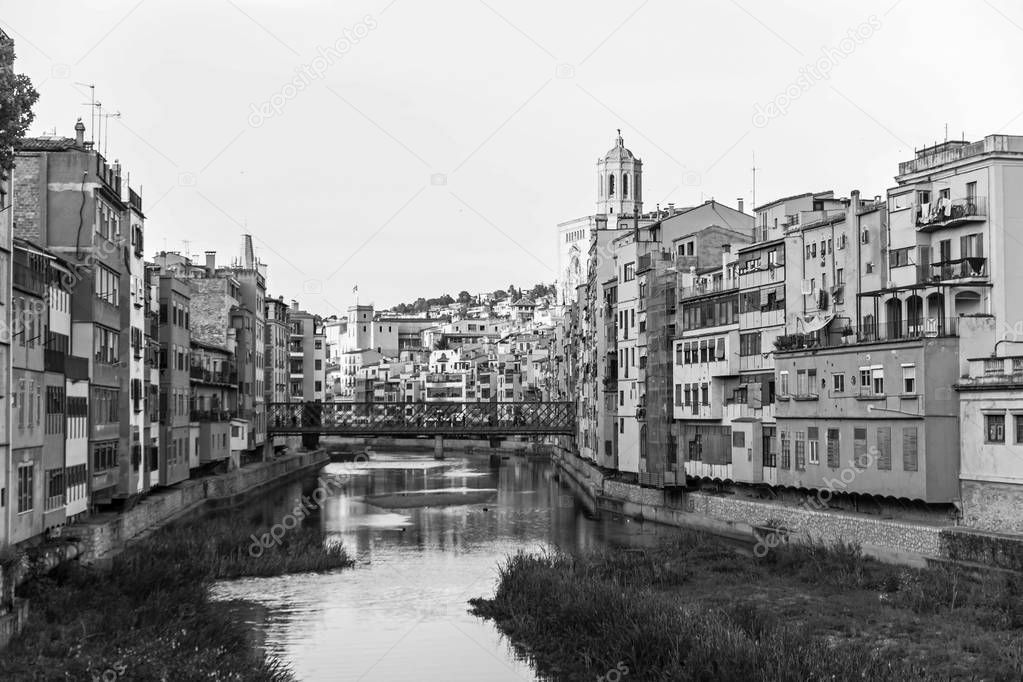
{"type": "Point", "coordinates": [956, 150]}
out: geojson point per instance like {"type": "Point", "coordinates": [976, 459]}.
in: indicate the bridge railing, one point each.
{"type": "Point", "coordinates": [421, 418]}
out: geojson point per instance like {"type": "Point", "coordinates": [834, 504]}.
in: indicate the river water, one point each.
{"type": "Point", "coordinates": [401, 613]}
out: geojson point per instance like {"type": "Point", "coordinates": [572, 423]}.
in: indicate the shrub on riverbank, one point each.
{"type": "Point", "coordinates": [698, 610]}
{"type": "Point", "coordinates": [149, 616]}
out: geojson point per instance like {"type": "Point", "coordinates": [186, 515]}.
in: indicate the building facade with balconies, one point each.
{"type": "Point", "coordinates": [175, 380]}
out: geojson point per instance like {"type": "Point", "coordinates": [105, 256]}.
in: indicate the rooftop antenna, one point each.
{"type": "Point", "coordinates": [106, 131]}
{"type": "Point", "coordinates": [92, 108]}
{"type": "Point", "coordinates": [946, 132]}
{"type": "Point", "coordinates": [754, 169]}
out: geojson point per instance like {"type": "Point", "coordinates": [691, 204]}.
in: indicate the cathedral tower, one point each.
{"type": "Point", "coordinates": [619, 181]}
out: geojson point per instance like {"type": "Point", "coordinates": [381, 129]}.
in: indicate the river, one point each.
{"type": "Point", "coordinates": [401, 613]}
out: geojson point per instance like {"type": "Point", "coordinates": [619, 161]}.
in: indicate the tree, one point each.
{"type": "Point", "coordinates": [17, 96]}
{"type": "Point", "coordinates": [500, 295]}
{"type": "Point", "coordinates": [464, 297]}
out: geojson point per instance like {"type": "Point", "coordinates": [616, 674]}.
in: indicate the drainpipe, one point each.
{"type": "Point", "coordinates": [854, 200]}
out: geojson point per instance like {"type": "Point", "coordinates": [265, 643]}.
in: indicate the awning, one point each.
{"type": "Point", "coordinates": [813, 323]}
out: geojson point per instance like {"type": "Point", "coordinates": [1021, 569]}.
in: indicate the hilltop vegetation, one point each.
{"type": "Point", "coordinates": [421, 304]}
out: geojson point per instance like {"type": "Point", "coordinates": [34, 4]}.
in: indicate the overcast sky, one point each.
{"type": "Point", "coordinates": [438, 145]}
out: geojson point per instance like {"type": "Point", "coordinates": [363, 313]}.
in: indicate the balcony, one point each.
{"type": "Point", "coordinates": [76, 368]}
{"type": "Point", "coordinates": [839, 335]}
{"type": "Point", "coordinates": [226, 377]}
{"type": "Point", "coordinates": [212, 415]}
{"type": "Point", "coordinates": [54, 360]}
{"type": "Point", "coordinates": [950, 212]}
{"type": "Point", "coordinates": [444, 378]}
{"type": "Point", "coordinates": [960, 268]}
{"type": "Point", "coordinates": [706, 287]}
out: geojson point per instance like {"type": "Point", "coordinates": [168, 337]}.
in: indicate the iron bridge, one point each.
{"type": "Point", "coordinates": [487, 419]}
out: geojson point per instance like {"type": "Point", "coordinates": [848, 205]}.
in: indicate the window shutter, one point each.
{"type": "Point", "coordinates": [909, 449]}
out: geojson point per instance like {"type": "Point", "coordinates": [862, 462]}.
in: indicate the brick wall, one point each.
{"type": "Point", "coordinates": [27, 198]}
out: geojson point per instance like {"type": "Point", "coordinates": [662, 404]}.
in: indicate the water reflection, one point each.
{"type": "Point", "coordinates": [401, 614]}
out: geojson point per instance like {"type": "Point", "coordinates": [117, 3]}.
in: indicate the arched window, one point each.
{"type": "Point", "coordinates": [625, 186]}
{"type": "Point", "coordinates": [610, 186]}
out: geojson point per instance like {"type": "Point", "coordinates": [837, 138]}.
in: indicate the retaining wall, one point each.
{"type": "Point", "coordinates": [104, 535]}
{"type": "Point", "coordinates": [886, 539]}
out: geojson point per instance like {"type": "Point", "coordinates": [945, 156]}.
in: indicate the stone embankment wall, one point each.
{"type": "Point", "coordinates": [103, 536]}
{"type": "Point", "coordinates": [886, 539]}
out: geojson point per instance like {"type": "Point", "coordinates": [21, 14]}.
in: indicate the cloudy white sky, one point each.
{"type": "Point", "coordinates": [439, 151]}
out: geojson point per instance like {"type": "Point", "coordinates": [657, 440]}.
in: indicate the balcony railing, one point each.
{"type": "Point", "coordinates": [841, 335]}
{"type": "Point", "coordinates": [54, 360]}
{"type": "Point", "coordinates": [76, 368]}
{"type": "Point", "coordinates": [227, 377]}
{"type": "Point", "coordinates": [213, 415]}
{"type": "Point", "coordinates": [948, 212]}
{"type": "Point", "coordinates": [444, 378]}
{"type": "Point", "coordinates": [710, 287]}
{"type": "Point", "coordinates": [960, 268]}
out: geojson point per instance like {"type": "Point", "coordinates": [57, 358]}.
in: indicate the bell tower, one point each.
{"type": "Point", "coordinates": [619, 181]}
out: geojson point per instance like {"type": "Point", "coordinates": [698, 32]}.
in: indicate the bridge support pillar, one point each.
{"type": "Point", "coordinates": [438, 447]}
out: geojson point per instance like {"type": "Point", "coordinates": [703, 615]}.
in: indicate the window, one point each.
{"type": "Point", "coordinates": [864, 380]}
{"type": "Point", "coordinates": [884, 448]}
{"type": "Point", "coordinates": [909, 379]}
{"type": "Point", "coordinates": [783, 383]}
{"type": "Point", "coordinates": [833, 448]}
{"type": "Point", "coordinates": [898, 258]}
{"type": "Point", "coordinates": [860, 447]}
{"type": "Point", "coordinates": [26, 487]}
{"type": "Point", "coordinates": [800, 452]}
{"type": "Point", "coordinates": [909, 448]}
{"type": "Point", "coordinates": [1019, 428]}
{"type": "Point", "coordinates": [108, 284]}
{"type": "Point", "coordinates": [749, 344]}
{"type": "Point", "coordinates": [104, 455]}
{"type": "Point", "coordinates": [106, 345]}
{"type": "Point", "coordinates": [105, 406]}
{"type": "Point", "coordinates": [786, 450]}
{"type": "Point", "coordinates": [877, 375]}
{"type": "Point", "coordinates": [738, 439]}
{"type": "Point", "coordinates": [705, 394]}
{"type": "Point", "coordinates": [629, 273]}
{"type": "Point", "coordinates": [971, 245]}
{"type": "Point", "coordinates": [994, 428]}
{"type": "Point", "coordinates": [813, 438]}
{"type": "Point", "coordinates": [678, 401]}
{"type": "Point", "coordinates": [838, 382]}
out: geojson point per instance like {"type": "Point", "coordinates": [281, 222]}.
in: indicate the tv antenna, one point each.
{"type": "Point", "coordinates": [754, 169]}
{"type": "Point", "coordinates": [92, 110]}
{"type": "Point", "coordinates": [106, 130]}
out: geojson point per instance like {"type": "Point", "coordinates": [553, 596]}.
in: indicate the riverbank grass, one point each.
{"type": "Point", "coordinates": [149, 616]}
{"type": "Point", "coordinates": [695, 609]}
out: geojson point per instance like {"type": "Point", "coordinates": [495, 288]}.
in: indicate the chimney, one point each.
{"type": "Point", "coordinates": [294, 304]}
{"type": "Point", "coordinates": [211, 263]}
{"type": "Point", "coordinates": [727, 248]}
{"type": "Point", "coordinates": [248, 253]}
{"type": "Point", "coordinates": [671, 208]}
{"type": "Point", "coordinates": [739, 200]}
{"type": "Point", "coordinates": [79, 134]}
